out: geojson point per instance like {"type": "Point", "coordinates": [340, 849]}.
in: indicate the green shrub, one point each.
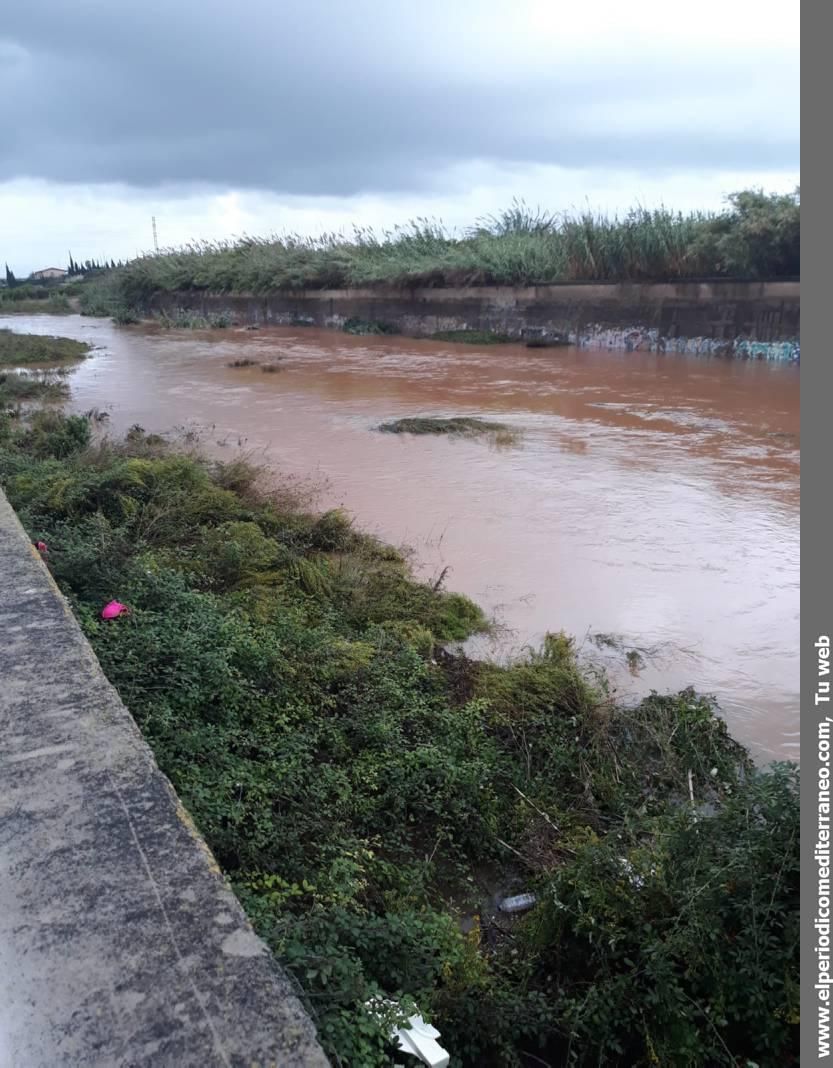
{"type": "Point", "coordinates": [25, 292]}
{"type": "Point", "coordinates": [102, 296]}
{"type": "Point", "coordinates": [679, 946]}
{"type": "Point", "coordinates": [51, 434]}
{"type": "Point", "coordinates": [759, 238]}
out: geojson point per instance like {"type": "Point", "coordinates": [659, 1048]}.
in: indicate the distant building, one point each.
{"type": "Point", "coordinates": [47, 273]}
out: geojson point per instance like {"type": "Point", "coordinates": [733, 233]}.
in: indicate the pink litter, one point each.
{"type": "Point", "coordinates": [113, 609]}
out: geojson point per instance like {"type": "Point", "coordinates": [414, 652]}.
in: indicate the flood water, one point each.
{"type": "Point", "coordinates": [650, 499]}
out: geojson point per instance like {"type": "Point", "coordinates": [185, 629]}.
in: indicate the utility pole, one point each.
{"type": "Point", "coordinates": [155, 238]}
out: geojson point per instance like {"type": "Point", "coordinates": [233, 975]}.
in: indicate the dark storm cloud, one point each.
{"type": "Point", "coordinates": [337, 98]}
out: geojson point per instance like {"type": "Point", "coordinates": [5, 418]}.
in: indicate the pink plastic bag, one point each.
{"type": "Point", "coordinates": [113, 609]}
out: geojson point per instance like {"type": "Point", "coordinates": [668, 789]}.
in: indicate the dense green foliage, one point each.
{"type": "Point", "coordinates": [756, 236]}
{"type": "Point", "coordinates": [366, 790]}
{"type": "Point", "coordinates": [24, 291]}
{"type": "Point", "coordinates": [101, 296]}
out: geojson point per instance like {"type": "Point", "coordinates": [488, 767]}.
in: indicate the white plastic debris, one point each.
{"type": "Point", "coordinates": [633, 877]}
{"type": "Point", "coordinates": [518, 903]}
{"type": "Point", "coordinates": [419, 1039]}
{"type": "Point", "coordinates": [421, 1042]}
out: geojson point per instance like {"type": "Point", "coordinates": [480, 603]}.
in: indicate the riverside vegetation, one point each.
{"type": "Point", "coordinates": [756, 236]}
{"type": "Point", "coordinates": [24, 350]}
{"type": "Point", "coordinates": [33, 368]}
{"type": "Point", "coordinates": [27, 298]}
{"type": "Point", "coordinates": [367, 789]}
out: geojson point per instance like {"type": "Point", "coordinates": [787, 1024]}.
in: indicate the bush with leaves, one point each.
{"type": "Point", "coordinates": [675, 941]}
{"type": "Point", "coordinates": [759, 237]}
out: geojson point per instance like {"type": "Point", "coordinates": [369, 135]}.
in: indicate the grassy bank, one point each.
{"type": "Point", "coordinates": [370, 794]}
{"type": "Point", "coordinates": [756, 236]}
{"type": "Point", "coordinates": [24, 350]}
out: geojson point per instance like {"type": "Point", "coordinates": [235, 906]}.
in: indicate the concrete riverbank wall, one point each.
{"type": "Point", "coordinates": [727, 318]}
{"type": "Point", "coordinates": [120, 942]}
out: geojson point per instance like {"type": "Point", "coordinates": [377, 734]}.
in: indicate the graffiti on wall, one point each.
{"type": "Point", "coordinates": [650, 340]}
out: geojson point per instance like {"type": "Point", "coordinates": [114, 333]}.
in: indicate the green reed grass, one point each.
{"type": "Point", "coordinates": [756, 235]}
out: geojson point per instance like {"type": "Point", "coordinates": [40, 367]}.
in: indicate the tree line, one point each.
{"type": "Point", "coordinates": [75, 269]}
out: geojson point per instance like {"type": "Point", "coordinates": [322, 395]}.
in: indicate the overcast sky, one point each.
{"type": "Point", "coordinates": [256, 116]}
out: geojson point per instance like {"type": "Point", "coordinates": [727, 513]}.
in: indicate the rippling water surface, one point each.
{"type": "Point", "coordinates": [651, 499]}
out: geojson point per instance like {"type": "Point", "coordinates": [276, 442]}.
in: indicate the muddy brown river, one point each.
{"type": "Point", "coordinates": [650, 504]}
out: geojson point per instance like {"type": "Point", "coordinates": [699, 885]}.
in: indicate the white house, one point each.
{"type": "Point", "coordinates": [48, 272]}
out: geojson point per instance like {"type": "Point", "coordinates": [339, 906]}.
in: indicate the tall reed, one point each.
{"type": "Point", "coordinates": [756, 236]}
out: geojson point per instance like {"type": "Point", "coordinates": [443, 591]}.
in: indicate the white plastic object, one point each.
{"type": "Point", "coordinates": [421, 1042]}
{"type": "Point", "coordinates": [419, 1039]}
{"type": "Point", "coordinates": [518, 903]}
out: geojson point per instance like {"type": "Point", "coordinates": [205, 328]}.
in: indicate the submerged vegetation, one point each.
{"type": "Point", "coordinates": [182, 319]}
{"type": "Point", "coordinates": [372, 793]}
{"type": "Point", "coordinates": [125, 317]}
{"type": "Point", "coordinates": [370, 327]}
{"type": "Point", "coordinates": [472, 337]}
{"type": "Point", "coordinates": [33, 367]}
{"type": "Point", "coordinates": [22, 350]}
{"type": "Point", "coordinates": [756, 236]}
{"type": "Point", "coordinates": [18, 387]}
{"type": "Point", "coordinates": [455, 426]}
